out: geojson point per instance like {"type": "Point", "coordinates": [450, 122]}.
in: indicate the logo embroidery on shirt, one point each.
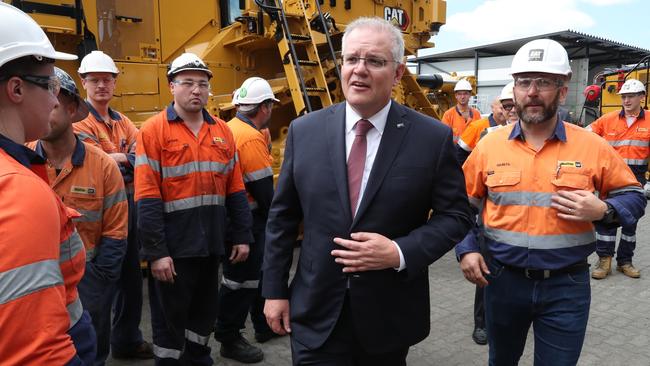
{"type": "Point", "coordinates": [103, 136]}
{"type": "Point", "coordinates": [642, 129]}
{"type": "Point", "coordinates": [82, 190]}
{"type": "Point", "coordinates": [503, 164]}
{"type": "Point", "coordinates": [574, 164]}
{"type": "Point", "coordinates": [219, 140]}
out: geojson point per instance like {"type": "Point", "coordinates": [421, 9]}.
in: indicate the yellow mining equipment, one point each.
{"type": "Point", "coordinates": [294, 44]}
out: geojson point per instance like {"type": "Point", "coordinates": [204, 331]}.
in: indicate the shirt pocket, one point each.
{"type": "Point", "coordinates": [502, 181]}
{"type": "Point", "coordinates": [505, 194]}
{"type": "Point", "coordinates": [89, 225]}
{"type": "Point", "coordinates": [570, 178]}
{"type": "Point", "coordinates": [173, 158]}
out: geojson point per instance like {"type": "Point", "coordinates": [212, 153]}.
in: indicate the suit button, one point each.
{"type": "Point", "coordinates": [356, 276]}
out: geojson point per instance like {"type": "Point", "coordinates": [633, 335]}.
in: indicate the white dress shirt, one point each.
{"type": "Point", "coordinates": [373, 138]}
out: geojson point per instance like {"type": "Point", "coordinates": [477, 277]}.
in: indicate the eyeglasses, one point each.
{"type": "Point", "coordinates": [541, 84]}
{"type": "Point", "coordinates": [96, 81]}
{"type": "Point", "coordinates": [50, 83]}
{"type": "Point", "coordinates": [507, 107]}
{"type": "Point", "coordinates": [191, 84]}
{"type": "Point", "coordinates": [371, 62]}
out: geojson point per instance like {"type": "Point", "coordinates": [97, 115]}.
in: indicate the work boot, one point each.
{"type": "Point", "coordinates": [603, 268]}
{"type": "Point", "coordinates": [480, 336]}
{"type": "Point", "coordinates": [629, 270]}
{"type": "Point", "coordinates": [240, 350]}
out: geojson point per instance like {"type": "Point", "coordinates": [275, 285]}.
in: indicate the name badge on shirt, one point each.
{"type": "Point", "coordinates": [217, 139]}
{"type": "Point", "coordinates": [82, 190]}
{"type": "Point", "coordinates": [642, 129]}
{"type": "Point", "coordinates": [574, 164]}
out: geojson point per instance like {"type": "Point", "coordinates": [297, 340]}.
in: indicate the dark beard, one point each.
{"type": "Point", "coordinates": [548, 113]}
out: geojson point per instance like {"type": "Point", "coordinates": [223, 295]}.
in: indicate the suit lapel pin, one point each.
{"type": "Point", "coordinates": [400, 125]}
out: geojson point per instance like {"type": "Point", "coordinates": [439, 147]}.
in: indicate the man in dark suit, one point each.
{"type": "Point", "coordinates": [360, 295]}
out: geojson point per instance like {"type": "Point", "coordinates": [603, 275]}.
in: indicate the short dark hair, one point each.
{"type": "Point", "coordinates": [26, 65]}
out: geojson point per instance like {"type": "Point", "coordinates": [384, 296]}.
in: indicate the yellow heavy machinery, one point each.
{"type": "Point", "coordinates": [295, 44]}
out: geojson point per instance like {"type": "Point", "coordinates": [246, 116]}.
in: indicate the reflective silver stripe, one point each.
{"type": "Point", "coordinates": [75, 310]}
{"type": "Point", "coordinates": [196, 338]}
{"type": "Point", "coordinates": [84, 136]}
{"type": "Point", "coordinates": [197, 166]}
{"type": "Point", "coordinates": [456, 139]}
{"type": "Point", "coordinates": [88, 216]}
{"type": "Point", "coordinates": [626, 189]}
{"type": "Point", "coordinates": [629, 238]}
{"type": "Point", "coordinates": [540, 241]}
{"type": "Point", "coordinates": [639, 143]}
{"type": "Point", "coordinates": [24, 280]}
{"type": "Point", "coordinates": [144, 160]}
{"type": "Point", "coordinates": [162, 352]}
{"type": "Point", "coordinates": [519, 198]}
{"type": "Point", "coordinates": [71, 247]}
{"type": "Point", "coordinates": [476, 202]}
{"type": "Point", "coordinates": [234, 285]}
{"type": "Point", "coordinates": [113, 199]}
{"type": "Point", "coordinates": [464, 146]}
{"type": "Point", "coordinates": [609, 238]}
{"type": "Point", "coordinates": [253, 205]}
{"type": "Point", "coordinates": [258, 174]}
{"type": "Point", "coordinates": [196, 201]}
{"type": "Point", "coordinates": [636, 161]}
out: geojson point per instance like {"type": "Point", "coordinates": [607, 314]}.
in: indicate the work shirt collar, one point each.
{"type": "Point", "coordinates": [471, 114]}
{"type": "Point", "coordinates": [78, 155]}
{"type": "Point", "coordinates": [641, 114]}
{"type": "Point", "coordinates": [493, 122]}
{"type": "Point", "coordinates": [22, 154]}
{"type": "Point", "coordinates": [559, 133]}
{"type": "Point", "coordinates": [113, 115]}
{"type": "Point", "coordinates": [246, 120]}
{"type": "Point", "coordinates": [172, 116]}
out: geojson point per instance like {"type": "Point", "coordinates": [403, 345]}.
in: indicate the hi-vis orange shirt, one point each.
{"type": "Point", "coordinates": [513, 185]}
{"type": "Point", "coordinates": [632, 143]}
{"type": "Point", "coordinates": [254, 157]}
{"type": "Point", "coordinates": [91, 184]}
{"type": "Point", "coordinates": [455, 120]}
{"type": "Point", "coordinates": [183, 184]}
{"type": "Point", "coordinates": [33, 231]}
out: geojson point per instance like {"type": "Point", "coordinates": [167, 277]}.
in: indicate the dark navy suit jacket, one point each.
{"type": "Point", "coordinates": [415, 173]}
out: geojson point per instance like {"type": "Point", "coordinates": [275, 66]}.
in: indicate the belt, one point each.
{"type": "Point", "coordinates": [542, 274]}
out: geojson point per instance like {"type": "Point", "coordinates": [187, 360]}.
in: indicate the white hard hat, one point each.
{"type": "Point", "coordinates": [632, 86]}
{"type": "Point", "coordinates": [507, 91]}
{"type": "Point", "coordinates": [234, 97]}
{"type": "Point", "coordinates": [541, 55]}
{"type": "Point", "coordinates": [463, 85]}
{"type": "Point", "coordinates": [254, 90]}
{"type": "Point", "coordinates": [186, 62]}
{"type": "Point", "coordinates": [21, 36]}
{"type": "Point", "coordinates": [97, 61]}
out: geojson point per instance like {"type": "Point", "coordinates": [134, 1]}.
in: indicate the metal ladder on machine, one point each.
{"type": "Point", "coordinates": [298, 50]}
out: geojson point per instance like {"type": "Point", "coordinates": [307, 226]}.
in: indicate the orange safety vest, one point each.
{"type": "Point", "coordinates": [33, 317]}
{"type": "Point", "coordinates": [455, 120]}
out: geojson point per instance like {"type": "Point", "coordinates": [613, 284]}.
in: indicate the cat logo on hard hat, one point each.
{"type": "Point", "coordinates": [397, 17]}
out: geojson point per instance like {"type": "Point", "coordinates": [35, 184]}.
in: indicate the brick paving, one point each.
{"type": "Point", "coordinates": [618, 332]}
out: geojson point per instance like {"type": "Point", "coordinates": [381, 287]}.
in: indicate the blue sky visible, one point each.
{"type": "Point", "coordinates": [479, 22]}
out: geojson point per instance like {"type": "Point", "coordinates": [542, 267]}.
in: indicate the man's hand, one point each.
{"type": "Point", "coordinates": [120, 158]}
{"type": "Point", "coordinates": [163, 270]}
{"type": "Point", "coordinates": [277, 315]}
{"type": "Point", "coordinates": [473, 267]}
{"type": "Point", "coordinates": [239, 253]}
{"type": "Point", "coordinates": [578, 206]}
{"type": "Point", "coordinates": [366, 252]}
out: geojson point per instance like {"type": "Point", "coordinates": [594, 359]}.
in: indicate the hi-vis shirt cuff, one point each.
{"type": "Point", "coordinates": [402, 263]}
{"type": "Point", "coordinates": [463, 145]}
{"type": "Point", "coordinates": [258, 174]}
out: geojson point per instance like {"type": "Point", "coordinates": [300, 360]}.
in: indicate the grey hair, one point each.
{"type": "Point", "coordinates": [380, 25]}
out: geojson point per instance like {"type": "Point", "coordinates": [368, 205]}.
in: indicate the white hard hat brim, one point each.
{"type": "Point", "coordinates": [63, 56]}
{"type": "Point", "coordinates": [174, 72]}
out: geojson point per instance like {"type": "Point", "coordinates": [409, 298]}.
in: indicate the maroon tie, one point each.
{"type": "Point", "coordinates": [357, 161]}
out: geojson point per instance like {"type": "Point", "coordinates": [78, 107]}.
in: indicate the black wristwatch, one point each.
{"type": "Point", "coordinates": [610, 215]}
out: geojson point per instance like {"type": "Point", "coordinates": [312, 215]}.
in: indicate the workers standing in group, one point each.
{"type": "Point", "coordinates": [90, 182]}
{"type": "Point", "coordinates": [114, 133]}
{"type": "Point", "coordinates": [535, 183]}
{"type": "Point", "coordinates": [42, 254]}
{"type": "Point", "coordinates": [628, 131]}
{"type": "Point", "coordinates": [459, 117]}
{"type": "Point", "coordinates": [188, 181]}
{"type": "Point", "coordinates": [240, 292]}
{"type": "Point", "coordinates": [479, 128]}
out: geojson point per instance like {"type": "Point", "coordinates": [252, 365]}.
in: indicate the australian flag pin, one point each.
{"type": "Point", "coordinates": [400, 125]}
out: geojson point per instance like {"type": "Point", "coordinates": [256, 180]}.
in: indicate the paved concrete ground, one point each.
{"type": "Point", "coordinates": [618, 331]}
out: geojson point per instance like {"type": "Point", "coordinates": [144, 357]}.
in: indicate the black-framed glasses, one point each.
{"type": "Point", "coordinates": [541, 83]}
{"type": "Point", "coordinates": [508, 107]}
{"type": "Point", "coordinates": [372, 62]}
{"type": "Point", "coordinates": [50, 83]}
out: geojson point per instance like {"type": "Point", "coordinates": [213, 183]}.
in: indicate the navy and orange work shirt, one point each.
{"type": "Point", "coordinates": [91, 183]}
{"type": "Point", "coordinates": [185, 186]}
{"type": "Point", "coordinates": [255, 162]}
{"type": "Point", "coordinates": [513, 185]}
{"type": "Point", "coordinates": [631, 142]}
{"type": "Point", "coordinates": [455, 120]}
